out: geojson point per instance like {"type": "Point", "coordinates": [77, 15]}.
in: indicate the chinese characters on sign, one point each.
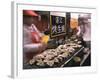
{"type": "Point", "coordinates": [57, 25]}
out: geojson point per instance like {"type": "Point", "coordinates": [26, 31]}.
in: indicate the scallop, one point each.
{"type": "Point", "coordinates": [32, 61]}
{"type": "Point", "coordinates": [50, 63]}
{"type": "Point", "coordinates": [40, 63]}
{"type": "Point", "coordinates": [56, 60]}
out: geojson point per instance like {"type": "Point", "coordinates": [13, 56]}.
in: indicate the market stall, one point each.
{"type": "Point", "coordinates": [63, 47]}
{"type": "Point", "coordinates": [57, 57]}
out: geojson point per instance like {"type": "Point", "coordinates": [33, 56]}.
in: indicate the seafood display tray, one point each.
{"type": "Point", "coordinates": [58, 65]}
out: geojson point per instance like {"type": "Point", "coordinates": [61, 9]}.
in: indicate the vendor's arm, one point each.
{"type": "Point", "coordinates": [36, 47]}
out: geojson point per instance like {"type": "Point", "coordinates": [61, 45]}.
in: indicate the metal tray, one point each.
{"type": "Point", "coordinates": [60, 64]}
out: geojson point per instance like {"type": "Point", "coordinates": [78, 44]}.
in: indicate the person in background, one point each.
{"type": "Point", "coordinates": [84, 33]}
{"type": "Point", "coordinates": [31, 35]}
{"type": "Point", "coordinates": [84, 29]}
